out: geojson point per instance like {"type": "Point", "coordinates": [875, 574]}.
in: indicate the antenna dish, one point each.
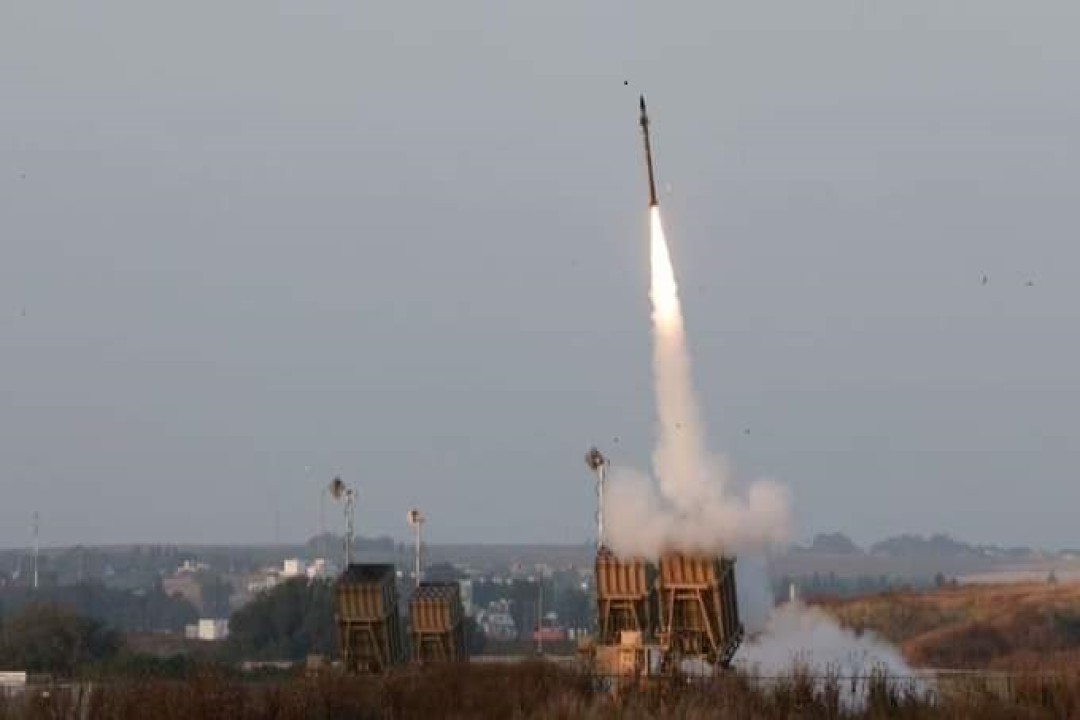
{"type": "Point", "coordinates": [337, 488]}
{"type": "Point", "coordinates": [595, 459]}
{"type": "Point", "coordinates": [414, 518]}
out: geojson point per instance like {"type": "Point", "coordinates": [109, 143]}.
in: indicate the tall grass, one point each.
{"type": "Point", "coordinates": [538, 691]}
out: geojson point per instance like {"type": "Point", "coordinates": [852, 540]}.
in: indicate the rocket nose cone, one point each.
{"type": "Point", "coordinates": [641, 102]}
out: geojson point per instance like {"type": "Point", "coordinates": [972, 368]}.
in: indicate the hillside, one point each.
{"type": "Point", "coordinates": [1016, 626]}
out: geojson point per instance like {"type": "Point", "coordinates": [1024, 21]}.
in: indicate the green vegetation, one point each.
{"type": "Point", "coordinates": [287, 622]}
{"type": "Point", "coordinates": [214, 594]}
{"type": "Point", "coordinates": [123, 610]}
{"type": "Point", "coordinates": [48, 639]}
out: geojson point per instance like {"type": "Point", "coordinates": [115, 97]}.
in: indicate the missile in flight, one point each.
{"type": "Point", "coordinates": [653, 202]}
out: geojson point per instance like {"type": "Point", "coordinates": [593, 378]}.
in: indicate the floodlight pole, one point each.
{"type": "Point", "coordinates": [419, 525]}
{"type": "Point", "coordinates": [601, 476]}
{"type": "Point", "coordinates": [598, 464]}
{"type": "Point", "coordinates": [349, 500]}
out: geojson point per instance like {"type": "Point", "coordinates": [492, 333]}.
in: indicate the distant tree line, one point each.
{"type": "Point", "coordinates": [830, 585]}
{"type": "Point", "coordinates": [46, 638]}
{"type": "Point", "coordinates": [128, 611]}
{"type": "Point", "coordinates": [43, 638]}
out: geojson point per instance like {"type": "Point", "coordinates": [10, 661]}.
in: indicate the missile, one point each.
{"type": "Point", "coordinates": [648, 154]}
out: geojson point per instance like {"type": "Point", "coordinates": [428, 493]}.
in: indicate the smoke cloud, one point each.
{"type": "Point", "coordinates": [798, 635]}
{"type": "Point", "coordinates": [799, 638]}
{"type": "Point", "coordinates": [795, 637]}
{"type": "Point", "coordinates": [692, 506]}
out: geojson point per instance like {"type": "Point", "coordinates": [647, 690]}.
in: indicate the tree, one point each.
{"type": "Point", "coordinates": [214, 593]}
{"type": "Point", "coordinates": [474, 637]}
{"type": "Point", "coordinates": [48, 638]}
{"type": "Point", "coordinates": [574, 607]}
{"type": "Point", "coordinates": [287, 622]}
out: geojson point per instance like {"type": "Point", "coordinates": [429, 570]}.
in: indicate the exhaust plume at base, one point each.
{"type": "Point", "coordinates": [802, 639]}
{"type": "Point", "coordinates": [793, 638]}
{"type": "Point", "coordinates": [691, 507]}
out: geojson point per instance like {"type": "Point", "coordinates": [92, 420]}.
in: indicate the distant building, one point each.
{"type": "Point", "coordinates": [13, 679]}
{"type": "Point", "coordinates": [262, 583]}
{"type": "Point", "coordinates": [499, 626]}
{"type": "Point", "coordinates": [291, 568]}
{"type": "Point", "coordinates": [549, 634]}
{"type": "Point", "coordinates": [208, 629]}
{"type": "Point", "coordinates": [466, 596]}
{"type": "Point", "coordinates": [185, 585]}
{"type": "Point", "coordinates": [496, 622]}
{"type": "Point", "coordinates": [190, 567]}
{"type": "Point", "coordinates": [320, 569]}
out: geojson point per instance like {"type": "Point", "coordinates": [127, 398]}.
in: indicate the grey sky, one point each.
{"type": "Point", "coordinates": [406, 243]}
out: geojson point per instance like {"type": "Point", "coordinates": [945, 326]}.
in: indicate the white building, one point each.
{"type": "Point", "coordinates": [212, 628]}
{"type": "Point", "coordinates": [190, 567]}
{"type": "Point", "coordinates": [209, 629]}
{"type": "Point", "coordinates": [260, 584]}
{"type": "Point", "coordinates": [320, 569]}
{"type": "Point", "coordinates": [466, 596]}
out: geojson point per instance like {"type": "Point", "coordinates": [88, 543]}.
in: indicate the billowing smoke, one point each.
{"type": "Point", "coordinates": [805, 636]}
{"type": "Point", "coordinates": [796, 637]}
{"type": "Point", "coordinates": [692, 506]}
{"type": "Point", "coordinates": [800, 638]}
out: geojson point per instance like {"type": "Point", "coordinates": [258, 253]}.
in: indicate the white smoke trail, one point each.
{"type": "Point", "coordinates": [680, 459]}
{"type": "Point", "coordinates": [692, 507]}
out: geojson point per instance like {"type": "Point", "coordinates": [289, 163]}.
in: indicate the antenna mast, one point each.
{"type": "Point", "coordinates": [598, 464]}
{"type": "Point", "coordinates": [340, 491]}
{"type": "Point", "coordinates": [416, 521]}
{"type": "Point", "coordinates": [37, 546]}
{"type": "Point", "coordinates": [321, 545]}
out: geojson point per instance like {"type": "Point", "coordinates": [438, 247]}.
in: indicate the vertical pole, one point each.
{"type": "Point", "coordinates": [37, 547]}
{"type": "Point", "coordinates": [322, 522]}
{"type": "Point", "coordinates": [321, 546]}
{"type": "Point", "coordinates": [601, 473]}
{"type": "Point", "coordinates": [540, 617]}
{"type": "Point", "coordinates": [419, 542]}
{"type": "Point", "coordinates": [348, 527]}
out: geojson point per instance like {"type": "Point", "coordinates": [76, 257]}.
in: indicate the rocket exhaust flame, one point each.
{"type": "Point", "coordinates": [691, 507]}
{"type": "Point", "coordinates": [663, 292]}
{"type": "Point", "coordinates": [680, 458]}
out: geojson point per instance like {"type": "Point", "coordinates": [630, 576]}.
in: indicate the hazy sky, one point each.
{"type": "Point", "coordinates": [406, 243]}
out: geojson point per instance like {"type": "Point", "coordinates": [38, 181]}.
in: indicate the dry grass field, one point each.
{"type": "Point", "coordinates": [536, 690]}
{"type": "Point", "coordinates": [1025, 626]}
